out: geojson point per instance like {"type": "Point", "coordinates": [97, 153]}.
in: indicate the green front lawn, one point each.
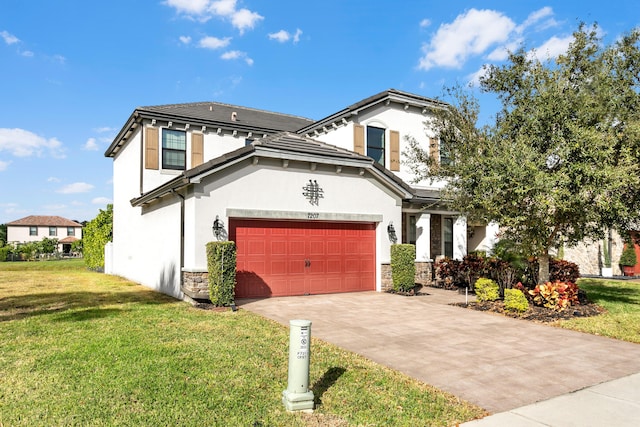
{"type": "Point", "coordinates": [622, 301]}
{"type": "Point", "coordinates": [83, 348]}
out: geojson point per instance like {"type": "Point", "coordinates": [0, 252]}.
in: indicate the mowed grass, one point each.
{"type": "Point", "coordinates": [621, 299]}
{"type": "Point", "coordinates": [84, 348]}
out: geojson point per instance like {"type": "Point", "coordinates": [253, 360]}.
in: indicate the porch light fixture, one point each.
{"type": "Point", "coordinates": [391, 231]}
{"type": "Point", "coordinates": [218, 228]}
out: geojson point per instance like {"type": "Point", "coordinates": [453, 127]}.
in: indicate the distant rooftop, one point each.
{"type": "Point", "coordinates": [45, 221]}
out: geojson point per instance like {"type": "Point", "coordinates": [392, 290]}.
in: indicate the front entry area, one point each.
{"type": "Point", "coordinates": [283, 258]}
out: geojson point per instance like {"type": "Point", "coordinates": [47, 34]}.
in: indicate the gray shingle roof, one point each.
{"type": "Point", "coordinates": [215, 112]}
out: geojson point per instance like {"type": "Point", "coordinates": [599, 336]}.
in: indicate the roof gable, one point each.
{"type": "Point", "coordinates": [286, 146]}
{"type": "Point", "coordinates": [405, 99]}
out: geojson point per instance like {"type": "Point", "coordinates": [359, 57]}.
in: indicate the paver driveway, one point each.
{"type": "Point", "coordinates": [493, 361]}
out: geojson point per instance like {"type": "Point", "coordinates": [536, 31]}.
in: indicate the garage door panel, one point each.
{"type": "Point", "coordinates": [272, 257]}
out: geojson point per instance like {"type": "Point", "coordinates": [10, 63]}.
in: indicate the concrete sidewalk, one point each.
{"type": "Point", "coordinates": [498, 363]}
{"type": "Point", "coordinates": [614, 403]}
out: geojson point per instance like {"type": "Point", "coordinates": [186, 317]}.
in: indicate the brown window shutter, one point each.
{"type": "Point", "coordinates": [197, 149]}
{"type": "Point", "coordinates": [394, 137]}
{"type": "Point", "coordinates": [151, 148]}
{"type": "Point", "coordinates": [358, 139]}
{"type": "Point", "coordinates": [434, 150]}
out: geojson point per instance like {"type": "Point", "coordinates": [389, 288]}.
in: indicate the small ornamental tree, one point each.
{"type": "Point", "coordinates": [221, 264]}
{"type": "Point", "coordinates": [48, 246]}
{"type": "Point", "coordinates": [403, 267]}
{"type": "Point", "coordinates": [96, 235]}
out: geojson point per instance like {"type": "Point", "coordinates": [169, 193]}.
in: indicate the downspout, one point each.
{"type": "Point", "coordinates": [181, 234]}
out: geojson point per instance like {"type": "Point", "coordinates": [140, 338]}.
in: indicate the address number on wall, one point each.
{"type": "Point", "coordinates": [313, 215]}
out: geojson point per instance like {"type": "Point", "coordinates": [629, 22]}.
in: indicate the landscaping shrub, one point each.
{"type": "Point", "coordinates": [4, 251]}
{"type": "Point", "coordinates": [403, 267]}
{"type": "Point", "coordinates": [221, 264]}
{"type": "Point", "coordinates": [486, 290]}
{"type": "Point", "coordinates": [449, 273]}
{"type": "Point", "coordinates": [96, 234]}
{"type": "Point", "coordinates": [555, 295]}
{"type": "Point", "coordinates": [563, 271]}
{"type": "Point", "coordinates": [515, 300]}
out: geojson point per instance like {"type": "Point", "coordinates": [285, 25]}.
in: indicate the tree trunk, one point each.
{"type": "Point", "coordinates": [543, 268]}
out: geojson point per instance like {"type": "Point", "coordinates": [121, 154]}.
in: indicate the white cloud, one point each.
{"type": "Point", "coordinates": [241, 19]}
{"type": "Point", "coordinates": [281, 36]}
{"type": "Point", "coordinates": [22, 143]}
{"type": "Point", "coordinates": [214, 42]}
{"type": "Point", "coordinates": [101, 201]}
{"type": "Point", "coordinates": [59, 59]}
{"type": "Point", "coordinates": [502, 52]}
{"type": "Point", "coordinates": [53, 179]}
{"type": "Point", "coordinates": [223, 7]}
{"type": "Point", "coordinates": [27, 53]}
{"type": "Point", "coordinates": [425, 23]}
{"type": "Point", "coordinates": [90, 145]}
{"type": "Point", "coordinates": [104, 129]}
{"type": "Point", "coordinates": [236, 54]}
{"type": "Point", "coordinates": [185, 39]}
{"type": "Point", "coordinates": [296, 36]}
{"type": "Point", "coordinates": [244, 19]}
{"type": "Point", "coordinates": [552, 48]}
{"type": "Point", "coordinates": [470, 34]}
{"type": "Point", "coordinates": [189, 7]}
{"type": "Point", "coordinates": [474, 79]}
{"type": "Point", "coordinates": [4, 165]}
{"type": "Point", "coordinates": [9, 38]}
{"type": "Point", "coordinates": [535, 17]}
{"type": "Point", "coordinates": [76, 187]}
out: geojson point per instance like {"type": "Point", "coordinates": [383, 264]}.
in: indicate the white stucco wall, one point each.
{"type": "Point", "coordinates": [409, 122]}
{"type": "Point", "coordinates": [146, 248]}
{"type": "Point", "coordinates": [268, 186]}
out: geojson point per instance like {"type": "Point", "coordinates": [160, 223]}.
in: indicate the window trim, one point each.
{"type": "Point", "coordinates": [368, 146]}
{"type": "Point", "coordinates": [165, 165]}
{"type": "Point", "coordinates": [33, 230]}
{"type": "Point", "coordinates": [71, 231]}
{"type": "Point", "coordinates": [53, 231]}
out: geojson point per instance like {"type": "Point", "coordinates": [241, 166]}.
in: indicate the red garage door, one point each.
{"type": "Point", "coordinates": [278, 258]}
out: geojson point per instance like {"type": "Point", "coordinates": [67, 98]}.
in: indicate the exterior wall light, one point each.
{"type": "Point", "coordinates": [391, 231]}
{"type": "Point", "coordinates": [218, 228]}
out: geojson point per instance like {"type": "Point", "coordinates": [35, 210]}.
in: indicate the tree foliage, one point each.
{"type": "Point", "coordinates": [561, 163]}
{"type": "Point", "coordinates": [95, 236]}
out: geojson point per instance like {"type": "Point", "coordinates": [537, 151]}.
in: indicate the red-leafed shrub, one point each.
{"type": "Point", "coordinates": [563, 271]}
{"type": "Point", "coordinates": [555, 295]}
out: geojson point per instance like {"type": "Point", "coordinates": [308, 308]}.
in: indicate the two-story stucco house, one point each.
{"type": "Point", "coordinates": [313, 206]}
{"type": "Point", "coordinates": [36, 227]}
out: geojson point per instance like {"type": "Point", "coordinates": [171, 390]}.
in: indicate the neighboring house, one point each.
{"type": "Point", "coordinates": [312, 206]}
{"type": "Point", "coordinates": [36, 227]}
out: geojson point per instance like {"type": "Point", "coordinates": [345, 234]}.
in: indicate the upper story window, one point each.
{"type": "Point", "coordinates": [33, 231]}
{"type": "Point", "coordinates": [53, 231]}
{"type": "Point", "coordinates": [445, 153]}
{"type": "Point", "coordinates": [71, 231]}
{"type": "Point", "coordinates": [375, 144]}
{"type": "Point", "coordinates": [174, 149]}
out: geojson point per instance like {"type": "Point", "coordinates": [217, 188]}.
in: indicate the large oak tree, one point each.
{"type": "Point", "coordinates": [561, 162]}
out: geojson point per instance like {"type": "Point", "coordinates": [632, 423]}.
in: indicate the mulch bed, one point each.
{"type": "Point", "coordinates": [537, 314]}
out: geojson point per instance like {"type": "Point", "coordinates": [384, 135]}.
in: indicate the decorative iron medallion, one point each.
{"type": "Point", "coordinates": [313, 192]}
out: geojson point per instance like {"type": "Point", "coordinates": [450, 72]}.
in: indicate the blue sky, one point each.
{"type": "Point", "coordinates": [71, 71]}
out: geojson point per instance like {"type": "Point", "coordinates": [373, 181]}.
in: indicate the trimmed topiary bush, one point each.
{"type": "Point", "coordinates": [403, 267]}
{"type": "Point", "coordinates": [486, 290]}
{"type": "Point", "coordinates": [221, 264]}
{"type": "Point", "coordinates": [515, 300]}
